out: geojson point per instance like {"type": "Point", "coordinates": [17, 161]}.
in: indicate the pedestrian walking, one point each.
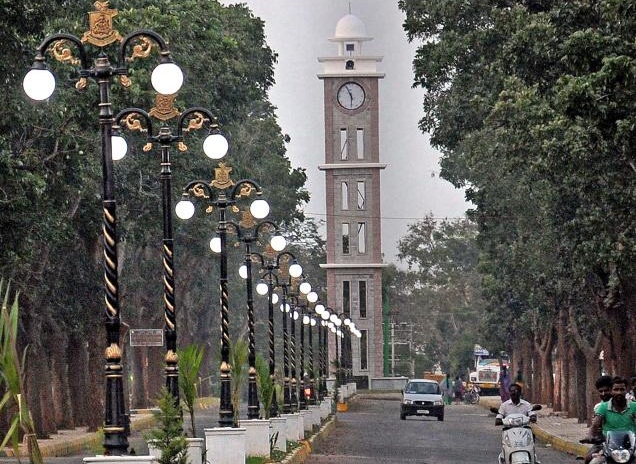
{"type": "Point", "coordinates": [446, 385]}
{"type": "Point", "coordinates": [504, 384]}
{"type": "Point", "coordinates": [458, 390]}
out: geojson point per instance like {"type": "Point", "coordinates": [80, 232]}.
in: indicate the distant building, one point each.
{"type": "Point", "coordinates": [352, 174]}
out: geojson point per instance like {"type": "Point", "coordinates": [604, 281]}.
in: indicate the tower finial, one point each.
{"type": "Point", "coordinates": [349, 7]}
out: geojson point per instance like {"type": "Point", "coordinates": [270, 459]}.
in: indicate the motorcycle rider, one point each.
{"type": "Point", "coordinates": [604, 389]}
{"type": "Point", "coordinates": [618, 413]}
{"type": "Point", "coordinates": [515, 405]}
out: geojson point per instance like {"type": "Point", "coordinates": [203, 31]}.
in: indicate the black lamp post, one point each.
{"type": "Point", "coordinates": [220, 193]}
{"type": "Point", "coordinates": [304, 288]}
{"type": "Point", "coordinates": [306, 389]}
{"type": "Point", "coordinates": [273, 280]}
{"type": "Point", "coordinates": [215, 146]}
{"type": "Point", "coordinates": [266, 287]}
{"type": "Point", "coordinates": [325, 314]}
{"type": "Point", "coordinates": [39, 84]}
{"type": "Point", "coordinates": [248, 232]}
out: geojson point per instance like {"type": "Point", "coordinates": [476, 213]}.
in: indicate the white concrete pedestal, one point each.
{"type": "Point", "coordinates": [225, 445]}
{"type": "Point", "coordinates": [195, 450]}
{"type": "Point", "coordinates": [278, 431]}
{"type": "Point", "coordinates": [308, 423]}
{"type": "Point", "coordinates": [326, 406]}
{"type": "Point", "coordinates": [120, 460]}
{"type": "Point", "coordinates": [256, 437]}
{"type": "Point", "coordinates": [292, 426]}
{"type": "Point", "coordinates": [315, 414]}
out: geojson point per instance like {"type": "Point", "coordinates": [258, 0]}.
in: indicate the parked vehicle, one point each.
{"type": "Point", "coordinates": [422, 397]}
{"type": "Point", "coordinates": [517, 439]}
{"type": "Point", "coordinates": [487, 369]}
{"type": "Point", "coordinates": [472, 395]}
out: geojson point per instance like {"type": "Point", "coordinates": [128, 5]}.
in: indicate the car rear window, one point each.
{"type": "Point", "coordinates": [422, 387]}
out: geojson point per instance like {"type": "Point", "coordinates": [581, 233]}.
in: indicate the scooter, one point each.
{"type": "Point", "coordinates": [517, 439]}
{"type": "Point", "coordinates": [619, 447]}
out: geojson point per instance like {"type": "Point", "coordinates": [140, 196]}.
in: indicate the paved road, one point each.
{"type": "Point", "coordinates": [372, 432]}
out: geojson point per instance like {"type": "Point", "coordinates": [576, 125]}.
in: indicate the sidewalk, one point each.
{"type": "Point", "coordinates": [562, 433]}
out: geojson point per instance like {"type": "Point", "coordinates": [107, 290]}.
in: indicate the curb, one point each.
{"type": "Point", "coordinates": [575, 449]}
{"type": "Point", "coordinates": [307, 446]}
{"type": "Point", "coordinates": [76, 445]}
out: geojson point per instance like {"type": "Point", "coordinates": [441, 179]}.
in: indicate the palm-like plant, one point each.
{"type": "Point", "coordinates": [265, 384]}
{"type": "Point", "coordinates": [190, 360]}
{"type": "Point", "coordinates": [238, 362]}
{"type": "Point", "coordinates": [12, 380]}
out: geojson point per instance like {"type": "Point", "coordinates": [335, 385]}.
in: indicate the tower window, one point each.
{"type": "Point", "coordinates": [350, 47]}
{"type": "Point", "coordinates": [362, 297]}
{"type": "Point", "coordinates": [346, 297]}
{"type": "Point", "coordinates": [349, 64]}
{"type": "Point", "coordinates": [362, 237]}
{"type": "Point", "coordinates": [345, 195]}
{"type": "Point", "coordinates": [345, 238]}
{"type": "Point", "coordinates": [361, 195]}
{"type": "Point", "coordinates": [344, 148]}
{"type": "Point", "coordinates": [360, 143]}
{"type": "Point", "coordinates": [364, 350]}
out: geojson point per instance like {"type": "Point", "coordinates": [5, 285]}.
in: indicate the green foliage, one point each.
{"type": "Point", "coordinates": [238, 363]}
{"type": "Point", "coordinates": [50, 163]}
{"type": "Point", "coordinates": [533, 107]}
{"type": "Point", "coordinates": [168, 436]}
{"type": "Point", "coordinates": [190, 359]}
{"type": "Point", "coordinates": [12, 374]}
{"type": "Point", "coordinates": [440, 293]}
{"type": "Point", "coordinates": [265, 385]}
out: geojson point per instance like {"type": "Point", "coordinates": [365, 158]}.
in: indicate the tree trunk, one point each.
{"type": "Point", "coordinates": [77, 362]}
{"type": "Point", "coordinates": [571, 398]}
{"type": "Point", "coordinates": [590, 352]}
{"type": "Point", "coordinates": [544, 351]}
{"type": "Point", "coordinates": [560, 362]}
{"type": "Point", "coordinates": [60, 381]}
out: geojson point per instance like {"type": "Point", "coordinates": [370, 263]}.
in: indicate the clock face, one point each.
{"type": "Point", "coordinates": [351, 95]}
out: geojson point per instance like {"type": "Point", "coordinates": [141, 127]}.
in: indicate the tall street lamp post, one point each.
{"type": "Point", "coordinates": [248, 232]}
{"type": "Point", "coordinates": [324, 314]}
{"type": "Point", "coordinates": [266, 287]}
{"type": "Point", "coordinates": [215, 146]}
{"type": "Point", "coordinates": [221, 193]}
{"type": "Point", "coordinates": [307, 389]}
{"type": "Point", "coordinates": [270, 281]}
{"type": "Point", "coordinates": [39, 84]}
{"type": "Point", "coordinates": [304, 288]}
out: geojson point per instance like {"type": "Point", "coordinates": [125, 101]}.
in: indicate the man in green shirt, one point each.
{"type": "Point", "coordinates": [618, 413]}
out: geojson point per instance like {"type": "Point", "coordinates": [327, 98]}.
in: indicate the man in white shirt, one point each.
{"type": "Point", "coordinates": [515, 405]}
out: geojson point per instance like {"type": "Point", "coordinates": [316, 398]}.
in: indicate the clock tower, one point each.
{"type": "Point", "coordinates": [352, 173]}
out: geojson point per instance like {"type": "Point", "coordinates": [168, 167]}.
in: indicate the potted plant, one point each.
{"type": "Point", "coordinates": [12, 381]}
{"type": "Point", "coordinates": [190, 359]}
{"type": "Point", "coordinates": [168, 437]}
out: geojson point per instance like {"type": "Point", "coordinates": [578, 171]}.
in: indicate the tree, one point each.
{"type": "Point", "coordinates": [50, 182]}
{"type": "Point", "coordinates": [532, 106]}
{"type": "Point", "coordinates": [441, 297]}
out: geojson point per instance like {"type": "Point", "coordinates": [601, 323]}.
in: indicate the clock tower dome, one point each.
{"type": "Point", "coordinates": [352, 174]}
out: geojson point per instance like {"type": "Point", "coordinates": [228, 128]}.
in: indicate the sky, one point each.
{"type": "Point", "coordinates": [298, 31]}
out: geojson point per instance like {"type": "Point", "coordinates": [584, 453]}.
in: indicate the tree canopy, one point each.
{"type": "Point", "coordinates": [532, 106]}
{"type": "Point", "coordinates": [50, 186]}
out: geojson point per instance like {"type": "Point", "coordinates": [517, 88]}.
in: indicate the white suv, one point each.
{"type": "Point", "coordinates": [422, 397]}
